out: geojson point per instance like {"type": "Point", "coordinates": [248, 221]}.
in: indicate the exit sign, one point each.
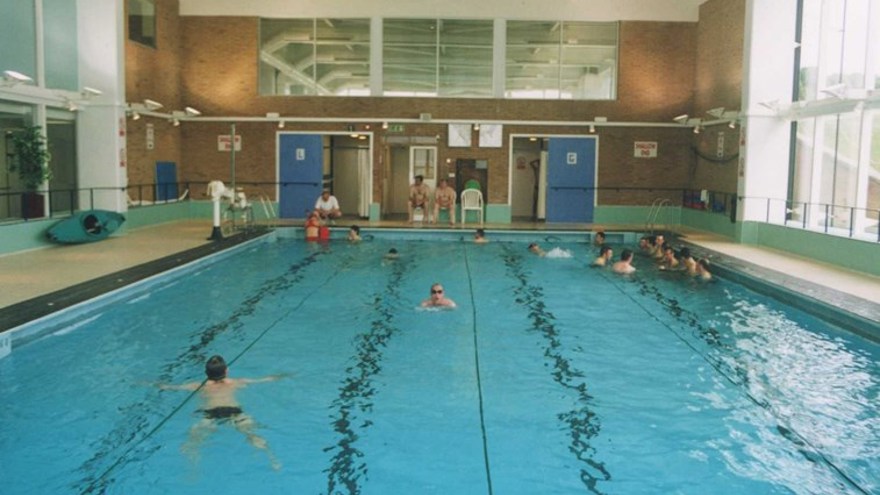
{"type": "Point", "coordinates": [395, 128]}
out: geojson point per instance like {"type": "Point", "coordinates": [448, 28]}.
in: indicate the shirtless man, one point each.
{"type": "Point", "coordinates": [669, 261]}
{"type": "Point", "coordinates": [624, 266]}
{"type": "Point", "coordinates": [418, 197]}
{"type": "Point", "coordinates": [438, 299]}
{"type": "Point", "coordinates": [444, 199]}
{"type": "Point", "coordinates": [219, 406]}
{"type": "Point", "coordinates": [605, 255]}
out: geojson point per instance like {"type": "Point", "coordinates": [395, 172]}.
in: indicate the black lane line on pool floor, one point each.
{"type": "Point", "coordinates": [467, 265]}
{"type": "Point", "coordinates": [582, 422]}
{"type": "Point", "coordinates": [711, 337]}
{"type": "Point", "coordinates": [126, 432]}
{"type": "Point", "coordinates": [347, 464]}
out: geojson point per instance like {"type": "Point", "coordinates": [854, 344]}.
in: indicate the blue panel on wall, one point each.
{"type": "Point", "coordinates": [166, 181]}
{"type": "Point", "coordinates": [17, 30]}
{"type": "Point", "coordinates": [60, 41]}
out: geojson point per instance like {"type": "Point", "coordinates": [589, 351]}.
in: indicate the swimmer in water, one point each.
{"type": "Point", "coordinates": [605, 255]}
{"type": "Point", "coordinates": [220, 406]}
{"type": "Point", "coordinates": [480, 237]}
{"type": "Point", "coordinates": [536, 249]}
{"type": "Point", "coordinates": [624, 266]}
{"type": "Point", "coordinates": [438, 299]}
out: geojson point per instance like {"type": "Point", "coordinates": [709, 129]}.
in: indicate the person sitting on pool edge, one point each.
{"type": "Point", "coordinates": [605, 255]}
{"type": "Point", "coordinates": [480, 237]}
{"type": "Point", "coordinates": [624, 266]}
{"type": "Point", "coordinates": [220, 406]}
{"type": "Point", "coordinates": [327, 206]}
{"type": "Point", "coordinates": [437, 298]}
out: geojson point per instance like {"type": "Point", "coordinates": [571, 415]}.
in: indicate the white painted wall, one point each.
{"type": "Point", "coordinates": [575, 10]}
{"type": "Point", "coordinates": [768, 68]}
{"type": "Point", "coordinates": [100, 127]}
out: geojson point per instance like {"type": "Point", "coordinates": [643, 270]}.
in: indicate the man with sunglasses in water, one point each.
{"type": "Point", "coordinates": [438, 299]}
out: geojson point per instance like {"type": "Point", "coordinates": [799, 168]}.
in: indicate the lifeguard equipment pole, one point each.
{"type": "Point", "coordinates": [232, 169]}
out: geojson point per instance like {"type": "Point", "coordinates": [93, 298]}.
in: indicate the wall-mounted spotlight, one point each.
{"type": "Point", "coordinates": [89, 92]}
{"type": "Point", "coordinates": [717, 112]}
{"type": "Point", "coordinates": [11, 78]}
{"type": "Point", "coordinates": [732, 124]}
{"type": "Point", "coordinates": [175, 122]}
{"type": "Point", "coordinates": [192, 112]}
{"type": "Point", "coordinates": [477, 127]}
{"type": "Point", "coordinates": [697, 129]}
{"type": "Point", "coordinates": [135, 115]}
{"type": "Point", "coordinates": [837, 91]}
{"type": "Point", "coordinates": [592, 129]}
{"type": "Point", "coordinates": [385, 125]}
{"type": "Point", "coordinates": [72, 106]}
{"type": "Point", "coordinates": [281, 124]}
{"type": "Point", "coordinates": [152, 105]}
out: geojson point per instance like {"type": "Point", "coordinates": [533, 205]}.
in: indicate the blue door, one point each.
{"type": "Point", "coordinates": [166, 181]}
{"type": "Point", "coordinates": [571, 178]}
{"type": "Point", "coordinates": [301, 165]}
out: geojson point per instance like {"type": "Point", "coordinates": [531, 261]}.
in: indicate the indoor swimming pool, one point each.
{"type": "Point", "coordinates": [550, 377]}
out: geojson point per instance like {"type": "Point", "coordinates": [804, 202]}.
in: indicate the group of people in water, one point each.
{"type": "Point", "coordinates": [659, 251]}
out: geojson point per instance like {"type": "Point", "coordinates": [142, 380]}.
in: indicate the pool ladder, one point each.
{"type": "Point", "coordinates": [269, 211]}
{"type": "Point", "coordinates": [654, 214]}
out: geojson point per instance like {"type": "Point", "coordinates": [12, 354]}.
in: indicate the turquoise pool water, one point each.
{"type": "Point", "coordinates": [550, 377]}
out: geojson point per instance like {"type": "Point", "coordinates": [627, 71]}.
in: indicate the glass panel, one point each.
{"type": "Point", "coordinates": [831, 44]}
{"type": "Point", "coordinates": [809, 68]}
{"type": "Point", "coordinates": [410, 57]}
{"type": "Point", "coordinates": [855, 43]}
{"type": "Point", "coordinates": [13, 117]}
{"type": "Point", "coordinates": [424, 163]}
{"type": "Point", "coordinates": [872, 217]}
{"type": "Point", "coordinates": [803, 171]}
{"type": "Point", "coordinates": [465, 58]}
{"type": "Point", "coordinates": [142, 22]}
{"type": "Point", "coordinates": [315, 56]}
{"type": "Point", "coordinates": [569, 60]}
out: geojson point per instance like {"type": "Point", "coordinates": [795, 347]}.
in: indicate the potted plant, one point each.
{"type": "Point", "coordinates": [30, 160]}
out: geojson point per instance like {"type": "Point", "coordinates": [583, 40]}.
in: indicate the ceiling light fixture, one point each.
{"type": "Point", "coordinates": [192, 112]}
{"type": "Point", "coordinates": [681, 119]}
{"type": "Point", "coordinates": [717, 112]}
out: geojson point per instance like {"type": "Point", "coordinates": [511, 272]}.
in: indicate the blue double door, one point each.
{"type": "Point", "coordinates": [301, 173]}
{"type": "Point", "coordinates": [571, 179]}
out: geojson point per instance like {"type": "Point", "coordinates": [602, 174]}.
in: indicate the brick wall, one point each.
{"type": "Point", "coordinates": [218, 74]}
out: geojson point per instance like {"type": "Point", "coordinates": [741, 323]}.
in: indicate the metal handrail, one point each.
{"type": "Point", "coordinates": [656, 207]}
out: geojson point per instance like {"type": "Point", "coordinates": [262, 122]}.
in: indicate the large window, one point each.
{"type": "Point", "coordinates": [836, 171]}
{"type": "Point", "coordinates": [561, 60]}
{"type": "Point", "coordinates": [315, 57]}
{"type": "Point", "coordinates": [437, 57]}
{"type": "Point", "coordinates": [142, 22]}
{"type": "Point", "coordinates": [446, 58]}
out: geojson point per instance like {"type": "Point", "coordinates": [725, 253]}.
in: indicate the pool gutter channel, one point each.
{"type": "Point", "coordinates": [30, 319]}
{"type": "Point", "coordinates": [852, 313]}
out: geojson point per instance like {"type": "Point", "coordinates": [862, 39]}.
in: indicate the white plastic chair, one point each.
{"type": "Point", "coordinates": [471, 200]}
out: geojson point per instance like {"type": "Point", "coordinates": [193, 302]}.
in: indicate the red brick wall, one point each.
{"type": "Point", "coordinates": [219, 69]}
{"type": "Point", "coordinates": [154, 73]}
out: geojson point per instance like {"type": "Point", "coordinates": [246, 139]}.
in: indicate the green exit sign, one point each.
{"type": "Point", "coordinates": [395, 128]}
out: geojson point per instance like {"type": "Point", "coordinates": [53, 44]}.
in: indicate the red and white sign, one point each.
{"type": "Point", "coordinates": [224, 143]}
{"type": "Point", "coordinates": [645, 149]}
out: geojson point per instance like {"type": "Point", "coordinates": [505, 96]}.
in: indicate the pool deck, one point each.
{"type": "Point", "coordinates": [43, 280]}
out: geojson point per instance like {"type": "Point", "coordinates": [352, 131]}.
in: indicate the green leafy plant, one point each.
{"type": "Point", "coordinates": [30, 159]}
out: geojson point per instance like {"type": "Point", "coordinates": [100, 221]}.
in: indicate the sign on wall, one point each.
{"type": "Point", "coordinates": [645, 149]}
{"type": "Point", "coordinates": [224, 142]}
{"type": "Point", "coordinates": [151, 137]}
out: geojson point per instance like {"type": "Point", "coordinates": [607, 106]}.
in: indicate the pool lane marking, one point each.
{"type": "Point", "coordinates": [788, 431]}
{"type": "Point", "coordinates": [467, 266]}
{"type": "Point", "coordinates": [357, 389]}
{"type": "Point", "coordinates": [100, 479]}
{"type": "Point", "coordinates": [583, 424]}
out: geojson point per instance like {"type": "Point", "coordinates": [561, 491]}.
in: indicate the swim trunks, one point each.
{"type": "Point", "coordinates": [223, 412]}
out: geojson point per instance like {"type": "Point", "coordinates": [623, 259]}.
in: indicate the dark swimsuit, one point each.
{"type": "Point", "coordinates": [222, 412]}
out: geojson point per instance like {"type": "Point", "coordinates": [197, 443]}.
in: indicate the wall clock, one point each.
{"type": "Point", "coordinates": [460, 135]}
